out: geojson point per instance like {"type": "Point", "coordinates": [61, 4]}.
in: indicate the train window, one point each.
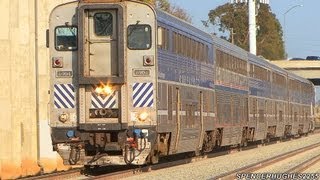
{"type": "Point", "coordinates": [206, 54]}
{"type": "Point", "coordinates": [66, 38]}
{"type": "Point", "coordinates": [174, 48]}
{"type": "Point", "coordinates": [103, 25]}
{"type": "Point", "coordinates": [163, 38]}
{"type": "Point", "coordinates": [180, 44]}
{"type": "Point", "coordinates": [189, 51]}
{"type": "Point", "coordinates": [139, 37]}
{"type": "Point", "coordinates": [167, 39]}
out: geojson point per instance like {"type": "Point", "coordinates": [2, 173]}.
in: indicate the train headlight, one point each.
{"type": "Point", "coordinates": [63, 117]}
{"type": "Point", "coordinates": [143, 116]}
{"type": "Point", "coordinates": [136, 116]}
{"type": "Point", "coordinates": [98, 90]}
{"type": "Point", "coordinates": [104, 90]}
{"type": "Point", "coordinates": [107, 90]}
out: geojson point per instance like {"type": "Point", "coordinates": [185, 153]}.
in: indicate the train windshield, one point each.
{"type": "Point", "coordinates": [103, 25]}
{"type": "Point", "coordinates": [66, 38]}
{"type": "Point", "coordinates": [139, 37]}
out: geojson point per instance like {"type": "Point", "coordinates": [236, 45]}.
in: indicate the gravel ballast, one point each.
{"type": "Point", "coordinates": [211, 167]}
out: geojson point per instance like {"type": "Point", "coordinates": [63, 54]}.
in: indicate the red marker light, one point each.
{"type": "Point", "coordinates": [57, 62]}
{"type": "Point", "coordinates": [148, 60]}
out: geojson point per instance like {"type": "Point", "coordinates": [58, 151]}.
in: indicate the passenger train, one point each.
{"type": "Point", "coordinates": [130, 84]}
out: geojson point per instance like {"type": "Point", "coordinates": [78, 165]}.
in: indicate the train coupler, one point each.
{"type": "Point", "coordinates": [138, 146]}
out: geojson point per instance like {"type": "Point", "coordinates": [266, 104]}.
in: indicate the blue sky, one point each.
{"type": "Point", "coordinates": [302, 23]}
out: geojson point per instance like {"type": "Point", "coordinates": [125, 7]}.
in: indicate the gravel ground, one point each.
{"type": "Point", "coordinates": [209, 168]}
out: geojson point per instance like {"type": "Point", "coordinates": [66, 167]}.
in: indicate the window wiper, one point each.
{"type": "Point", "coordinates": [72, 32]}
{"type": "Point", "coordinates": [134, 28]}
{"type": "Point", "coordinates": [70, 28]}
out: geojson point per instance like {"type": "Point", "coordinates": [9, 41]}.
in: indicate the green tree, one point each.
{"type": "Point", "coordinates": [269, 32]}
{"type": "Point", "coordinates": [149, 1]}
{"type": "Point", "coordinates": [165, 5]}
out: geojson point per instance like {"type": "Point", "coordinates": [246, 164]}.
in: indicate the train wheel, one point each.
{"type": "Point", "coordinates": [268, 139]}
{"type": "Point", "coordinates": [198, 152]}
{"type": "Point", "coordinates": [244, 140]}
{"type": "Point", "coordinates": [153, 158]}
{"type": "Point", "coordinates": [88, 169]}
{"type": "Point", "coordinates": [244, 143]}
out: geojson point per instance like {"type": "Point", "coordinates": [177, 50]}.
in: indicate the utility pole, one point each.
{"type": "Point", "coordinates": [232, 35]}
{"type": "Point", "coordinates": [284, 23]}
{"type": "Point", "coordinates": [252, 27]}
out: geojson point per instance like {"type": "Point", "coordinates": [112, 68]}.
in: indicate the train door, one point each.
{"type": "Point", "coordinates": [191, 120]}
{"type": "Point", "coordinates": [201, 113]}
{"type": "Point", "coordinates": [177, 107]}
{"type": "Point", "coordinates": [101, 67]}
{"type": "Point", "coordinates": [295, 119]}
{"type": "Point", "coordinates": [280, 112]}
{"type": "Point", "coordinates": [261, 125]}
{"type": "Point", "coordinates": [102, 46]}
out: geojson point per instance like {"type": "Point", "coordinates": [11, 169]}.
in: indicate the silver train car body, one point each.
{"type": "Point", "coordinates": [130, 84]}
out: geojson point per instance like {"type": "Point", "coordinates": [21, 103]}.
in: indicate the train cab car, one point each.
{"type": "Point", "coordinates": [129, 84]}
{"type": "Point", "coordinates": [103, 81]}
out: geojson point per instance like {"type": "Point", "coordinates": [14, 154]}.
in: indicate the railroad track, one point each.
{"type": "Point", "coordinates": [146, 169]}
{"type": "Point", "coordinates": [120, 173]}
{"type": "Point", "coordinates": [273, 160]}
{"type": "Point", "coordinates": [305, 165]}
{"type": "Point", "coordinates": [70, 174]}
{"type": "Point", "coordinates": [149, 168]}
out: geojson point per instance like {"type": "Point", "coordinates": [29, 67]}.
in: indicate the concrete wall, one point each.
{"type": "Point", "coordinates": [24, 64]}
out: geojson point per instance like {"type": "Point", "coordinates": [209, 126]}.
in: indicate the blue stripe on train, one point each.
{"type": "Point", "coordinates": [142, 95]}
{"type": "Point", "coordinates": [64, 96]}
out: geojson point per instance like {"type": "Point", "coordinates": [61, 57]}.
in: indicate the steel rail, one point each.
{"type": "Point", "coordinates": [144, 169]}
{"type": "Point", "coordinates": [259, 165]}
{"type": "Point", "coordinates": [305, 165]}
{"type": "Point", "coordinates": [57, 175]}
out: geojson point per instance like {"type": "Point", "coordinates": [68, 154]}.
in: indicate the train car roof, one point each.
{"type": "Point", "coordinates": [278, 69]}
{"type": "Point", "coordinates": [299, 78]}
{"type": "Point", "coordinates": [264, 63]}
{"type": "Point", "coordinates": [258, 61]}
{"type": "Point", "coordinates": [170, 20]}
{"type": "Point", "coordinates": [182, 25]}
{"type": "Point", "coordinates": [230, 48]}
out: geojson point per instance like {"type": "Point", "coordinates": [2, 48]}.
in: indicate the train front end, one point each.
{"type": "Point", "coordinates": [103, 82]}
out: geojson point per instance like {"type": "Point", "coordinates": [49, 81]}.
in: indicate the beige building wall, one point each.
{"type": "Point", "coordinates": [24, 86]}
{"type": "Point", "coordinates": [48, 159]}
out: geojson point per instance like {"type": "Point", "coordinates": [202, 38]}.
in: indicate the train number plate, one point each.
{"type": "Point", "coordinates": [64, 74]}
{"type": "Point", "coordinates": [141, 72]}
